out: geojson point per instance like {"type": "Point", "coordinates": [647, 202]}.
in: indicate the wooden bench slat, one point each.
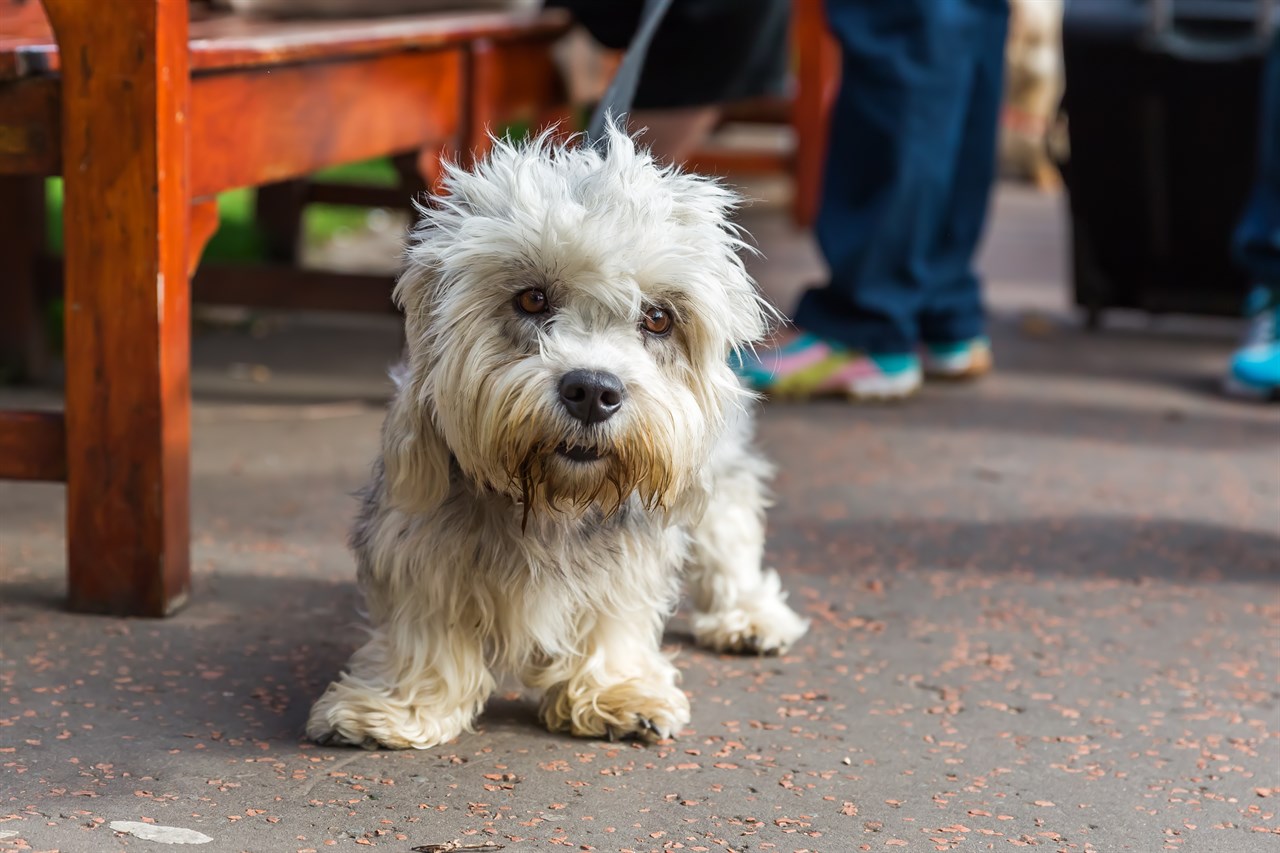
{"type": "Point", "coordinates": [251, 128]}
{"type": "Point", "coordinates": [220, 42]}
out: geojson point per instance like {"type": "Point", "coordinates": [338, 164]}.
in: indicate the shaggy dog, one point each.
{"type": "Point", "coordinates": [567, 437]}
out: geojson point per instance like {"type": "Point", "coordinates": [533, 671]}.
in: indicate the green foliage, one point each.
{"type": "Point", "coordinates": [238, 237]}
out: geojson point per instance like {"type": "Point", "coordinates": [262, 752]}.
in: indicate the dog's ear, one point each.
{"type": "Point", "coordinates": [706, 207]}
{"type": "Point", "coordinates": [415, 458]}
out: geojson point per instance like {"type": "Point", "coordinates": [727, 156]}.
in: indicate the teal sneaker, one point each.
{"type": "Point", "coordinates": [960, 360]}
{"type": "Point", "coordinates": [807, 367]}
{"type": "Point", "coordinates": [1255, 367]}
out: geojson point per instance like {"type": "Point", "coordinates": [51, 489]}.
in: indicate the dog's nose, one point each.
{"type": "Point", "coordinates": [591, 396]}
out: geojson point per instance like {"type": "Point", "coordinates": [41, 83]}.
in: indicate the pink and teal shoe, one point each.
{"type": "Point", "coordinates": [808, 367]}
{"type": "Point", "coordinates": [961, 360]}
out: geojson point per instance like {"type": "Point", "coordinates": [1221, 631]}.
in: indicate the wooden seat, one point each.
{"type": "Point", "coordinates": [149, 109]}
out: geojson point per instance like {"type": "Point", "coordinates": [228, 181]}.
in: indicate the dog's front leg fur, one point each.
{"type": "Point", "coordinates": [408, 686]}
{"type": "Point", "coordinates": [739, 605]}
{"type": "Point", "coordinates": [617, 684]}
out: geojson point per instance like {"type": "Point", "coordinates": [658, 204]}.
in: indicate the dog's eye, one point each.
{"type": "Point", "coordinates": [532, 301]}
{"type": "Point", "coordinates": [657, 321]}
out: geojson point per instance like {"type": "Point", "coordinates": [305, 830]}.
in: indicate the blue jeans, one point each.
{"type": "Point", "coordinates": [1257, 238]}
{"type": "Point", "coordinates": [909, 170]}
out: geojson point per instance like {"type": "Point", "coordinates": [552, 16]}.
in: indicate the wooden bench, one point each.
{"type": "Point", "coordinates": [148, 110]}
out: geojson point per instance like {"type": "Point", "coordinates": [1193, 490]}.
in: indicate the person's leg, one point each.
{"type": "Point", "coordinates": [881, 163]}
{"type": "Point", "coordinates": [1255, 367]}
{"type": "Point", "coordinates": [952, 321]}
{"type": "Point", "coordinates": [899, 136]}
{"type": "Point", "coordinates": [897, 130]}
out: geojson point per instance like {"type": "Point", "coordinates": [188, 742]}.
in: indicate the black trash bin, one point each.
{"type": "Point", "coordinates": [1162, 108]}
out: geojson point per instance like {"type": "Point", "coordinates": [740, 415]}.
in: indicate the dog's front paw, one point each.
{"type": "Point", "coordinates": [345, 716]}
{"type": "Point", "coordinates": [320, 732]}
{"type": "Point", "coordinates": [763, 625]}
{"type": "Point", "coordinates": [627, 709]}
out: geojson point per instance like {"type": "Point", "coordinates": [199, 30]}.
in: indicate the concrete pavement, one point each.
{"type": "Point", "coordinates": [1046, 613]}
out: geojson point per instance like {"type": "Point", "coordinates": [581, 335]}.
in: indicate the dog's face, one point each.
{"type": "Point", "coordinates": [569, 316]}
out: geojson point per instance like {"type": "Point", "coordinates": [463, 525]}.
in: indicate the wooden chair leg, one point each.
{"type": "Point", "coordinates": [474, 141]}
{"type": "Point", "coordinates": [278, 211]}
{"type": "Point", "coordinates": [818, 80]}
{"type": "Point", "coordinates": [24, 353]}
{"type": "Point", "coordinates": [126, 219]}
{"type": "Point", "coordinates": [418, 171]}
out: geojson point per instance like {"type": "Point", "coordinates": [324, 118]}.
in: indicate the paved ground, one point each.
{"type": "Point", "coordinates": [1045, 614]}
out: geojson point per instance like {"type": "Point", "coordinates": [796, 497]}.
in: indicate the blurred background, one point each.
{"type": "Point", "coordinates": [1137, 176]}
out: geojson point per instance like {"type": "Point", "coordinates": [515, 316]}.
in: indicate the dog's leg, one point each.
{"type": "Point", "coordinates": [738, 604]}
{"type": "Point", "coordinates": [616, 684]}
{"type": "Point", "coordinates": [412, 685]}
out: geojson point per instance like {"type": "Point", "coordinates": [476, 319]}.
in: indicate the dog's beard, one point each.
{"type": "Point", "coordinates": [526, 449]}
{"type": "Point", "coordinates": [547, 481]}
{"type": "Point", "coordinates": [510, 436]}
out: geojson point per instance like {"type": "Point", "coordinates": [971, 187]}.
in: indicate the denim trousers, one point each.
{"type": "Point", "coordinates": [910, 165]}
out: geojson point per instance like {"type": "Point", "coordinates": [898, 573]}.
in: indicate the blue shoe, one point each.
{"type": "Point", "coordinates": [1255, 367]}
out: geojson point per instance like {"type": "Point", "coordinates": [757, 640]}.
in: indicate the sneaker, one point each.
{"type": "Point", "coordinates": [961, 360]}
{"type": "Point", "coordinates": [808, 367]}
{"type": "Point", "coordinates": [1255, 367]}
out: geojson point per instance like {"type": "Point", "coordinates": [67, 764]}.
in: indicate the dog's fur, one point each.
{"type": "Point", "coordinates": [482, 550]}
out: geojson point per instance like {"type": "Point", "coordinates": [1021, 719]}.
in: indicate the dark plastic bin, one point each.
{"type": "Point", "coordinates": [1162, 107]}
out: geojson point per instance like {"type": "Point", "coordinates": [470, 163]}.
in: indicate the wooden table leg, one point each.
{"type": "Point", "coordinates": [125, 86]}
{"type": "Point", "coordinates": [24, 352]}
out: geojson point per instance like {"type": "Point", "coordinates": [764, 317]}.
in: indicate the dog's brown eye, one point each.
{"type": "Point", "coordinates": [532, 302]}
{"type": "Point", "coordinates": [657, 321]}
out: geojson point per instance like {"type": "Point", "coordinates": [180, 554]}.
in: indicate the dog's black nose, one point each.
{"type": "Point", "coordinates": [591, 396]}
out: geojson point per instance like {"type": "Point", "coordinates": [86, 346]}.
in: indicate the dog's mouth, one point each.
{"type": "Point", "coordinates": [578, 453]}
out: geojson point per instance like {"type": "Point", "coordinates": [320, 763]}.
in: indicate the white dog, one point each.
{"type": "Point", "coordinates": [566, 437]}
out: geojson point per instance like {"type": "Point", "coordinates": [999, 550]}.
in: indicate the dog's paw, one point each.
{"type": "Point", "coordinates": [324, 736]}
{"type": "Point", "coordinates": [639, 727]}
{"type": "Point", "coordinates": [347, 717]}
{"type": "Point", "coordinates": [634, 708]}
{"type": "Point", "coordinates": [768, 627]}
